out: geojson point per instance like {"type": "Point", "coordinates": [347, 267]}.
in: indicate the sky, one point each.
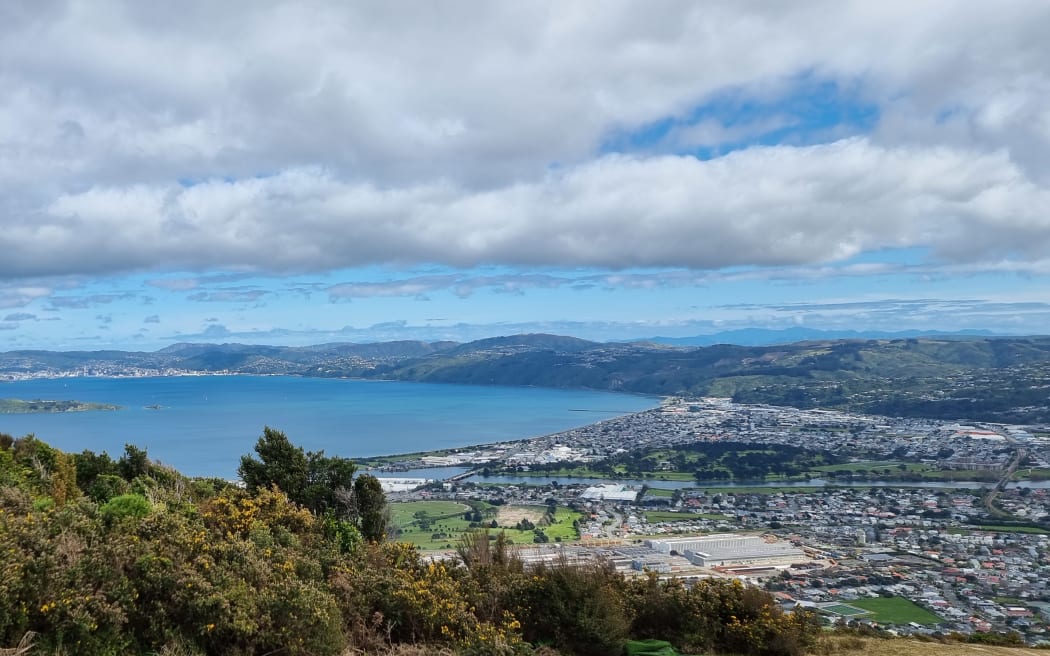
{"type": "Point", "coordinates": [316, 171]}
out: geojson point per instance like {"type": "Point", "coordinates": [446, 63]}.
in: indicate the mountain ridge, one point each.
{"type": "Point", "coordinates": [987, 378]}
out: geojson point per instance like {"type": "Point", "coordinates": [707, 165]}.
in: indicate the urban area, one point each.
{"type": "Point", "coordinates": [919, 526]}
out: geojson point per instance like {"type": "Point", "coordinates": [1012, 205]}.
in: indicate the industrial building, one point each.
{"type": "Point", "coordinates": [729, 549]}
{"type": "Point", "coordinates": [610, 492]}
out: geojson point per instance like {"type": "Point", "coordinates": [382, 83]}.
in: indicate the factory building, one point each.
{"type": "Point", "coordinates": [610, 492]}
{"type": "Point", "coordinates": [729, 549]}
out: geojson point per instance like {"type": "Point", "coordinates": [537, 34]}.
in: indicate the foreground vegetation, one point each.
{"type": "Point", "coordinates": [104, 556]}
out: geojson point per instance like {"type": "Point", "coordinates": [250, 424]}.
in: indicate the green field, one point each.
{"type": "Point", "coordinates": [845, 610]}
{"type": "Point", "coordinates": [897, 610]}
{"type": "Point", "coordinates": [434, 525]}
{"type": "Point", "coordinates": [618, 473]}
{"type": "Point", "coordinates": [562, 526]}
{"type": "Point", "coordinates": [999, 528]}
{"type": "Point", "coordinates": [430, 524]}
{"type": "Point", "coordinates": [868, 465]}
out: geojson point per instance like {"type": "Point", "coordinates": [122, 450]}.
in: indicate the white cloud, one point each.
{"type": "Point", "coordinates": [765, 206]}
{"type": "Point", "coordinates": [307, 136]}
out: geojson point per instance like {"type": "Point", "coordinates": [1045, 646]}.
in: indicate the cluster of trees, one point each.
{"type": "Point", "coordinates": [722, 460]}
{"type": "Point", "coordinates": [103, 556]}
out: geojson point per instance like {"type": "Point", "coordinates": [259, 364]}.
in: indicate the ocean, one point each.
{"type": "Point", "coordinates": [201, 425]}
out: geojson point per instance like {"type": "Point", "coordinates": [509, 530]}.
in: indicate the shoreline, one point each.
{"type": "Point", "coordinates": [339, 415]}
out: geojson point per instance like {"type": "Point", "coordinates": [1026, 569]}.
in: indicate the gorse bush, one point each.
{"type": "Point", "coordinates": [124, 506]}
{"type": "Point", "coordinates": [102, 557]}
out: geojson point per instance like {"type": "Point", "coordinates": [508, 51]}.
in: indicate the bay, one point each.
{"type": "Point", "coordinates": [203, 424]}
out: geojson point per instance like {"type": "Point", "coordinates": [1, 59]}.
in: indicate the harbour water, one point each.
{"type": "Point", "coordinates": [203, 424]}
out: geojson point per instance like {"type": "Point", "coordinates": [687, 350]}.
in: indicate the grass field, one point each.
{"type": "Point", "coordinates": [436, 525]}
{"type": "Point", "coordinates": [1013, 529]}
{"type": "Point", "coordinates": [846, 610]}
{"type": "Point", "coordinates": [998, 528]}
{"type": "Point", "coordinates": [619, 473]}
{"type": "Point", "coordinates": [897, 610]}
{"type": "Point", "coordinates": [867, 465]}
{"type": "Point", "coordinates": [430, 524]}
{"type": "Point", "coordinates": [562, 527]}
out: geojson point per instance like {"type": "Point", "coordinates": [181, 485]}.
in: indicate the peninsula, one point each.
{"type": "Point", "coordinates": [19, 406]}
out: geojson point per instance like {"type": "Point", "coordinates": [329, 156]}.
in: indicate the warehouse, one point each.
{"type": "Point", "coordinates": [726, 549]}
{"type": "Point", "coordinates": [610, 492]}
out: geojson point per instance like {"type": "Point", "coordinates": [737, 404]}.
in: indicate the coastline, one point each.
{"type": "Point", "coordinates": [209, 421]}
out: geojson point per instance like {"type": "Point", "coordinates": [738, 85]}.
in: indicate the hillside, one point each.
{"type": "Point", "coordinates": [980, 378]}
{"type": "Point", "coordinates": [102, 556]}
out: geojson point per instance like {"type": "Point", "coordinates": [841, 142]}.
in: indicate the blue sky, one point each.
{"type": "Point", "coordinates": [295, 173]}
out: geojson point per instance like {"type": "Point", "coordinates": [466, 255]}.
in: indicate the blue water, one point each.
{"type": "Point", "coordinates": [207, 422]}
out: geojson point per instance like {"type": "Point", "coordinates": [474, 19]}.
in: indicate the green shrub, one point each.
{"type": "Point", "coordinates": [123, 506]}
{"type": "Point", "coordinates": [106, 486]}
{"type": "Point", "coordinates": [579, 609]}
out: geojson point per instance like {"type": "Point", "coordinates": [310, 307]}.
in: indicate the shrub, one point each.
{"type": "Point", "coordinates": [106, 486]}
{"type": "Point", "coordinates": [123, 506]}
{"type": "Point", "coordinates": [579, 609]}
{"type": "Point", "coordinates": [718, 615]}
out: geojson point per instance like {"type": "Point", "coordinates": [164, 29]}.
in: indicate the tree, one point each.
{"type": "Point", "coordinates": [326, 477]}
{"type": "Point", "coordinates": [310, 479]}
{"type": "Point", "coordinates": [370, 507]}
{"type": "Point", "coordinates": [280, 463]}
{"type": "Point", "coordinates": [133, 463]}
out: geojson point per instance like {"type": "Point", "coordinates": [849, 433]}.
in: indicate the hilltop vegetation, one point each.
{"type": "Point", "coordinates": [989, 379]}
{"type": "Point", "coordinates": [124, 556]}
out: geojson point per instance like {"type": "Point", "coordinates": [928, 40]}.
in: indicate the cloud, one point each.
{"type": "Point", "coordinates": [153, 318]}
{"type": "Point", "coordinates": [228, 296]}
{"type": "Point", "coordinates": [21, 316]}
{"type": "Point", "coordinates": [185, 284]}
{"type": "Point", "coordinates": [12, 296]}
{"type": "Point", "coordinates": [91, 300]}
{"type": "Point", "coordinates": [459, 284]}
{"type": "Point", "coordinates": [174, 284]}
{"type": "Point", "coordinates": [336, 135]}
{"type": "Point", "coordinates": [821, 203]}
{"type": "Point", "coordinates": [416, 286]}
{"type": "Point", "coordinates": [215, 330]}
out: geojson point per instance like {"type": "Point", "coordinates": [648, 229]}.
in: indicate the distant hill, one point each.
{"type": "Point", "coordinates": [958, 376]}
{"type": "Point", "coordinates": [768, 337]}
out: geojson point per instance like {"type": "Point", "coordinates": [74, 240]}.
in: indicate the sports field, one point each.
{"type": "Point", "coordinates": [848, 611]}
{"type": "Point", "coordinates": [897, 610]}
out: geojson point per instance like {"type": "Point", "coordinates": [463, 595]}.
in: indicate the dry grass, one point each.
{"type": "Point", "coordinates": [402, 650]}
{"type": "Point", "coordinates": [511, 515]}
{"type": "Point", "coordinates": [23, 647]}
{"type": "Point", "coordinates": [857, 646]}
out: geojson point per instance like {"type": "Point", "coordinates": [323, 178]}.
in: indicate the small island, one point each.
{"type": "Point", "coordinates": [19, 406]}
